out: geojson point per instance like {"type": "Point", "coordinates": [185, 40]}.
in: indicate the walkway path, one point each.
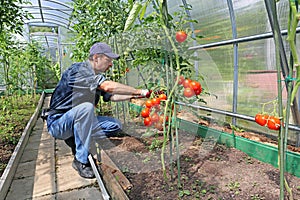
{"type": "Point", "coordinates": [45, 171]}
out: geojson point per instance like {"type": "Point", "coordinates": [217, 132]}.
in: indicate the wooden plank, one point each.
{"type": "Point", "coordinates": [108, 165]}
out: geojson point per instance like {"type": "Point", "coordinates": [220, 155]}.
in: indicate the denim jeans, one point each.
{"type": "Point", "coordinates": [81, 123]}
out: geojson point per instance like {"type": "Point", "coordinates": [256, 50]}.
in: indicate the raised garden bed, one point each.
{"type": "Point", "coordinates": [213, 164]}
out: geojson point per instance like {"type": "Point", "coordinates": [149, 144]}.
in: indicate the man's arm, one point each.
{"type": "Point", "coordinates": [118, 97]}
{"type": "Point", "coordinates": [119, 88]}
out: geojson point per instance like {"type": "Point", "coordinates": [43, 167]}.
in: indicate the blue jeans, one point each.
{"type": "Point", "coordinates": [81, 123]}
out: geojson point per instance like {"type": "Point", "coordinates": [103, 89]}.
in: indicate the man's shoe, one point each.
{"type": "Point", "coordinates": [84, 170]}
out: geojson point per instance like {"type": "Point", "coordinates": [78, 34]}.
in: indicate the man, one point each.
{"type": "Point", "coordinates": [71, 116]}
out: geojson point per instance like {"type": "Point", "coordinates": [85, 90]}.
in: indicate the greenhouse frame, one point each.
{"type": "Point", "coordinates": [244, 53]}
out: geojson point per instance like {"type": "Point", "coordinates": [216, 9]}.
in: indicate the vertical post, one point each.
{"type": "Point", "coordinates": [235, 59]}
{"type": "Point", "coordinates": [59, 46]}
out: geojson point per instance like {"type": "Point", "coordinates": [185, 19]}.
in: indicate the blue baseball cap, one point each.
{"type": "Point", "coordinates": [102, 48]}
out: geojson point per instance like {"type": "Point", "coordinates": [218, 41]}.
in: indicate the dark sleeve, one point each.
{"type": "Point", "coordinates": [105, 95]}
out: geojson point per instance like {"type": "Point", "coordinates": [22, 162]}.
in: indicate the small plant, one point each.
{"type": "Point", "coordinates": [248, 160]}
{"type": "Point", "coordinates": [257, 197]}
{"type": "Point", "coordinates": [183, 193]}
{"type": "Point", "coordinates": [156, 143]}
{"type": "Point", "coordinates": [234, 186]}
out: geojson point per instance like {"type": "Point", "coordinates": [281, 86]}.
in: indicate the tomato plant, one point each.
{"type": "Point", "coordinates": [181, 36]}
{"type": "Point", "coordinates": [145, 112]}
{"type": "Point", "coordinates": [261, 119]}
{"type": "Point", "coordinates": [147, 121]}
{"type": "Point", "coordinates": [273, 123]}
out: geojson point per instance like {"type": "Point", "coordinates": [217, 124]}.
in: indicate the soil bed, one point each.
{"type": "Point", "coordinates": [208, 170]}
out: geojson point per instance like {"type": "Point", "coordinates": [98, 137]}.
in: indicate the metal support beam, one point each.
{"type": "Point", "coordinates": [235, 60]}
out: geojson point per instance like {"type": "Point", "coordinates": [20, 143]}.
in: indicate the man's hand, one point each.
{"type": "Point", "coordinates": [146, 93]}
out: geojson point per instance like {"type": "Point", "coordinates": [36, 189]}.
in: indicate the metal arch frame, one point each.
{"type": "Point", "coordinates": [51, 14]}
{"type": "Point", "coordinates": [45, 8]}
{"type": "Point", "coordinates": [59, 3]}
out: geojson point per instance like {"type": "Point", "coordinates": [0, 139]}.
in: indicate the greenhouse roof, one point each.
{"type": "Point", "coordinates": [51, 13]}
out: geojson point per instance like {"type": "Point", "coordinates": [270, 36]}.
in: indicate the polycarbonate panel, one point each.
{"type": "Point", "coordinates": [216, 67]}
{"type": "Point", "coordinates": [51, 12]}
{"type": "Point", "coordinates": [213, 20]}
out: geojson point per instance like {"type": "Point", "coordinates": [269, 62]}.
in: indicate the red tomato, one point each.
{"type": "Point", "coordinates": [147, 121]}
{"type": "Point", "coordinates": [155, 101]}
{"type": "Point", "coordinates": [197, 92]}
{"type": "Point", "coordinates": [154, 117]}
{"type": "Point", "coordinates": [188, 92]}
{"type": "Point", "coordinates": [181, 79]}
{"type": "Point", "coordinates": [181, 36]}
{"type": "Point", "coordinates": [145, 112]}
{"type": "Point", "coordinates": [195, 85]}
{"type": "Point", "coordinates": [148, 103]}
{"type": "Point", "coordinates": [261, 119]}
{"type": "Point", "coordinates": [162, 97]}
{"type": "Point", "coordinates": [186, 83]}
{"type": "Point", "coordinates": [273, 123]}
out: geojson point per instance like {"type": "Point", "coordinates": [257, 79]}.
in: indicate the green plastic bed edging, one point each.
{"type": "Point", "coordinates": [263, 152]}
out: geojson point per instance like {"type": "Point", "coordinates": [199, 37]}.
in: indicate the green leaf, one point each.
{"type": "Point", "coordinates": [134, 12]}
{"type": "Point", "coordinates": [144, 9]}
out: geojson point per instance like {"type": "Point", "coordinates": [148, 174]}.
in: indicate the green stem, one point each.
{"type": "Point", "coordinates": [164, 26]}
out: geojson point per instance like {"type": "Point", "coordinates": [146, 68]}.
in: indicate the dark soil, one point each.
{"type": "Point", "coordinates": [207, 170]}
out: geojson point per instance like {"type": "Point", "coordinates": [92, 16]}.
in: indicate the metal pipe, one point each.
{"type": "Point", "coordinates": [240, 40]}
{"type": "Point", "coordinates": [231, 114]}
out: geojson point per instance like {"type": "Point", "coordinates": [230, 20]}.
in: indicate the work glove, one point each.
{"type": "Point", "coordinates": [146, 93]}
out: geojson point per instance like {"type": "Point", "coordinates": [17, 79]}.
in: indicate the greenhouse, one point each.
{"type": "Point", "coordinates": [150, 99]}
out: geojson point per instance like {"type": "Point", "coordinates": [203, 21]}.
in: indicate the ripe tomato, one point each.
{"type": "Point", "coordinates": [181, 79]}
{"type": "Point", "coordinates": [181, 36]}
{"type": "Point", "coordinates": [197, 92]}
{"type": "Point", "coordinates": [147, 121]}
{"type": "Point", "coordinates": [162, 97]}
{"type": "Point", "coordinates": [145, 112]}
{"type": "Point", "coordinates": [188, 92]}
{"type": "Point", "coordinates": [195, 85]}
{"type": "Point", "coordinates": [155, 101]}
{"type": "Point", "coordinates": [148, 103]}
{"type": "Point", "coordinates": [154, 117]}
{"type": "Point", "coordinates": [186, 83]}
{"type": "Point", "coordinates": [261, 119]}
{"type": "Point", "coordinates": [273, 123]}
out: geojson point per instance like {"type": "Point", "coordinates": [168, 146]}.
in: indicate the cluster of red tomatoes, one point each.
{"type": "Point", "coordinates": [152, 113]}
{"type": "Point", "coordinates": [191, 87]}
{"type": "Point", "coordinates": [271, 122]}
